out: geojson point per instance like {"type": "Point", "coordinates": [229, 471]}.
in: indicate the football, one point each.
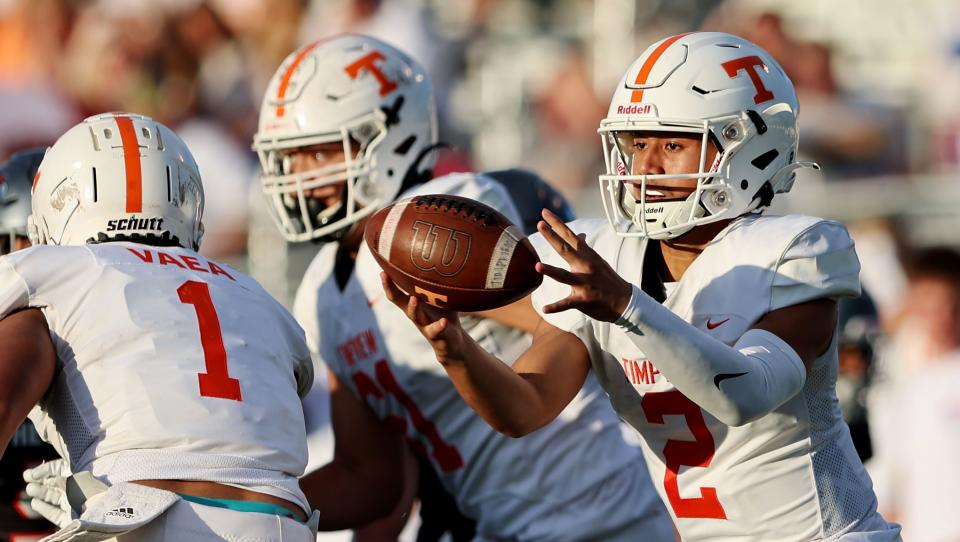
{"type": "Point", "coordinates": [453, 252]}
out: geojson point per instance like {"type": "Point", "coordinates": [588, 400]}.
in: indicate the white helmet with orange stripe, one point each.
{"type": "Point", "coordinates": [730, 92]}
{"type": "Point", "coordinates": [118, 176]}
{"type": "Point", "coordinates": [372, 100]}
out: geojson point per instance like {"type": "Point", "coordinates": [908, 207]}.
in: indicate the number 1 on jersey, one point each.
{"type": "Point", "coordinates": [216, 382]}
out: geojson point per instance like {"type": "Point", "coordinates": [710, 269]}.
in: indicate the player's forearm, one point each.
{"type": "Point", "coordinates": [8, 427]}
{"type": "Point", "coordinates": [507, 401]}
{"type": "Point", "coordinates": [348, 497]}
{"type": "Point", "coordinates": [27, 363]}
{"type": "Point", "coordinates": [734, 384]}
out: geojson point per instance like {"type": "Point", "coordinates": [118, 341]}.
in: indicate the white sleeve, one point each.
{"type": "Point", "coordinates": [14, 293]}
{"type": "Point", "coordinates": [736, 384]}
{"type": "Point", "coordinates": [819, 263]}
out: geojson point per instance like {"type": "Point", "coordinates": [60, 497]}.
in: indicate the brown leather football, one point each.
{"type": "Point", "coordinates": [453, 252]}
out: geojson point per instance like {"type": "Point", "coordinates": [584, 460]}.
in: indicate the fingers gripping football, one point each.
{"type": "Point", "coordinates": [595, 288]}
{"type": "Point", "coordinates": [440, 327]}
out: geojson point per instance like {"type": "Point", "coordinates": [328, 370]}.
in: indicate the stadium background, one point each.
{"type": "Point", "coordinates": [523, 83]}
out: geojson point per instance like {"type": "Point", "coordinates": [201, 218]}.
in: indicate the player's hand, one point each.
{"type": "Point", "coordinates": [59, 495]}
{"type": "Point", "coordinates": [441, 327]}
{"type": "Point", "coordinates": [47, 487]}
{"type": "Point", "coordinates": [596, 289]}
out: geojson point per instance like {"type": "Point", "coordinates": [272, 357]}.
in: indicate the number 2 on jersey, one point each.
{"type": "Point", "coordinates": [216, 382]}
{"type": "Point", "coordinates": [677, 453]}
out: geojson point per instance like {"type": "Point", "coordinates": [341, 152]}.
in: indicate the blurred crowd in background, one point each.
{"type": "Point", "coordinates": [525, 83]}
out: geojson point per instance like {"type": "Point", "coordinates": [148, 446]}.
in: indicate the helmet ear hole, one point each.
{"type": "Point", "coordinates": [758, 121]}
{"type": "Point", "coordinates": [761, 162]}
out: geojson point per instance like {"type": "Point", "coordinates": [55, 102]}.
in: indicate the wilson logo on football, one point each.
{"type": "Point", "coordinates": [438, 249]}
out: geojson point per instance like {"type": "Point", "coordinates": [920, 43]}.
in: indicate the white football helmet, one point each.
{"type": "Point", "coordinates": [118, 176]}
{"type": "Point", "coordinates": [358, 91]}
{"type": "Point", "coordinates": [718, 85]}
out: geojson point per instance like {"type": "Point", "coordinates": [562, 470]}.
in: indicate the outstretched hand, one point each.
{"type": "Point", "coordinates": [596, 289]}
{"type": "Point", "coordinates": [440, 327]}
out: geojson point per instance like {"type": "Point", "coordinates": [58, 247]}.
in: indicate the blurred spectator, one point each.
{"type": "Point", "coordinates": [879, 246]}
{"type": "Point", "coordinates": [938, 89]}
{"type": "Point", "coordinates": [859, 327]}
{"type": "Point", "coordinates": [849, 135]}
{"type": "Point", "coordinates": [567, 112]}
{"type": "Point", "coordinates": [28, 57]}
{"type": "Point", "coordinates": [33, 110]}
{"type": "Point", "coordinates": [915, 467]}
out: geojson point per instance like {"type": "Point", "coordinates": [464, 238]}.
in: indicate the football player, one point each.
{"type": "Point", "coordinates": [18, 521]}
{"type": "Point", "coordinates": [169, 380]}
{"type": "Point", "coordinates": [347, 126]}
{"type": "Point", "coordinates": [721, 320]}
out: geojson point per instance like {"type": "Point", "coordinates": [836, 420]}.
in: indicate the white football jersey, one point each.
{"type": "Point", "coordinates": [170, 366]}
{"type": "Point", "coordinates": [512, 487]}
{"type": "Point", "coordinates": [790, 475]}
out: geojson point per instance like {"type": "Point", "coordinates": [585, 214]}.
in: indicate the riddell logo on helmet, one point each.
{"type": "Point", "coordinates": [134, 223]}
{"type": "Point", "coordinates": [635, 109]}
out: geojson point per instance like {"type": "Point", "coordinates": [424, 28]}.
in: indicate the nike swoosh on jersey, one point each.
{"type": "Point", "coordinates": [715, 325]}
{"type": "Point", "coordinates": [723, 376]}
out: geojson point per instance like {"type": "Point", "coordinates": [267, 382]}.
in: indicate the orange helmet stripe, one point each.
{"type": "Point", "coordinates": [131, 164]}
{"type": "Point", "coordinates": [285, 80]}
{"type": "Point", "coordinates": [647, 67]}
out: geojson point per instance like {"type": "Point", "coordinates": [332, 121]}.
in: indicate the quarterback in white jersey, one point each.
{"type": "Point", "coordinates": [172, 379]}
{"type": "Point", "coordinates": [356, 135]}
{"type": "Point", "coordinates": [535, 488]}
{"type": "Point", "coordinates": [721, 321]}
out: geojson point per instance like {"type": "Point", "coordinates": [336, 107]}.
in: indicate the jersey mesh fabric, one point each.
{"type": "Point", "coordinates": [74, 433]}
{"type": "Point", "coordinates": [843, 487]}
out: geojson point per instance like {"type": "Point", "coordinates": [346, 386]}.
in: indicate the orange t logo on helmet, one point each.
{"type": "Point", "coordinates": [367, 62]}
{"type": "Point", "coordinates": [749, 64]}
